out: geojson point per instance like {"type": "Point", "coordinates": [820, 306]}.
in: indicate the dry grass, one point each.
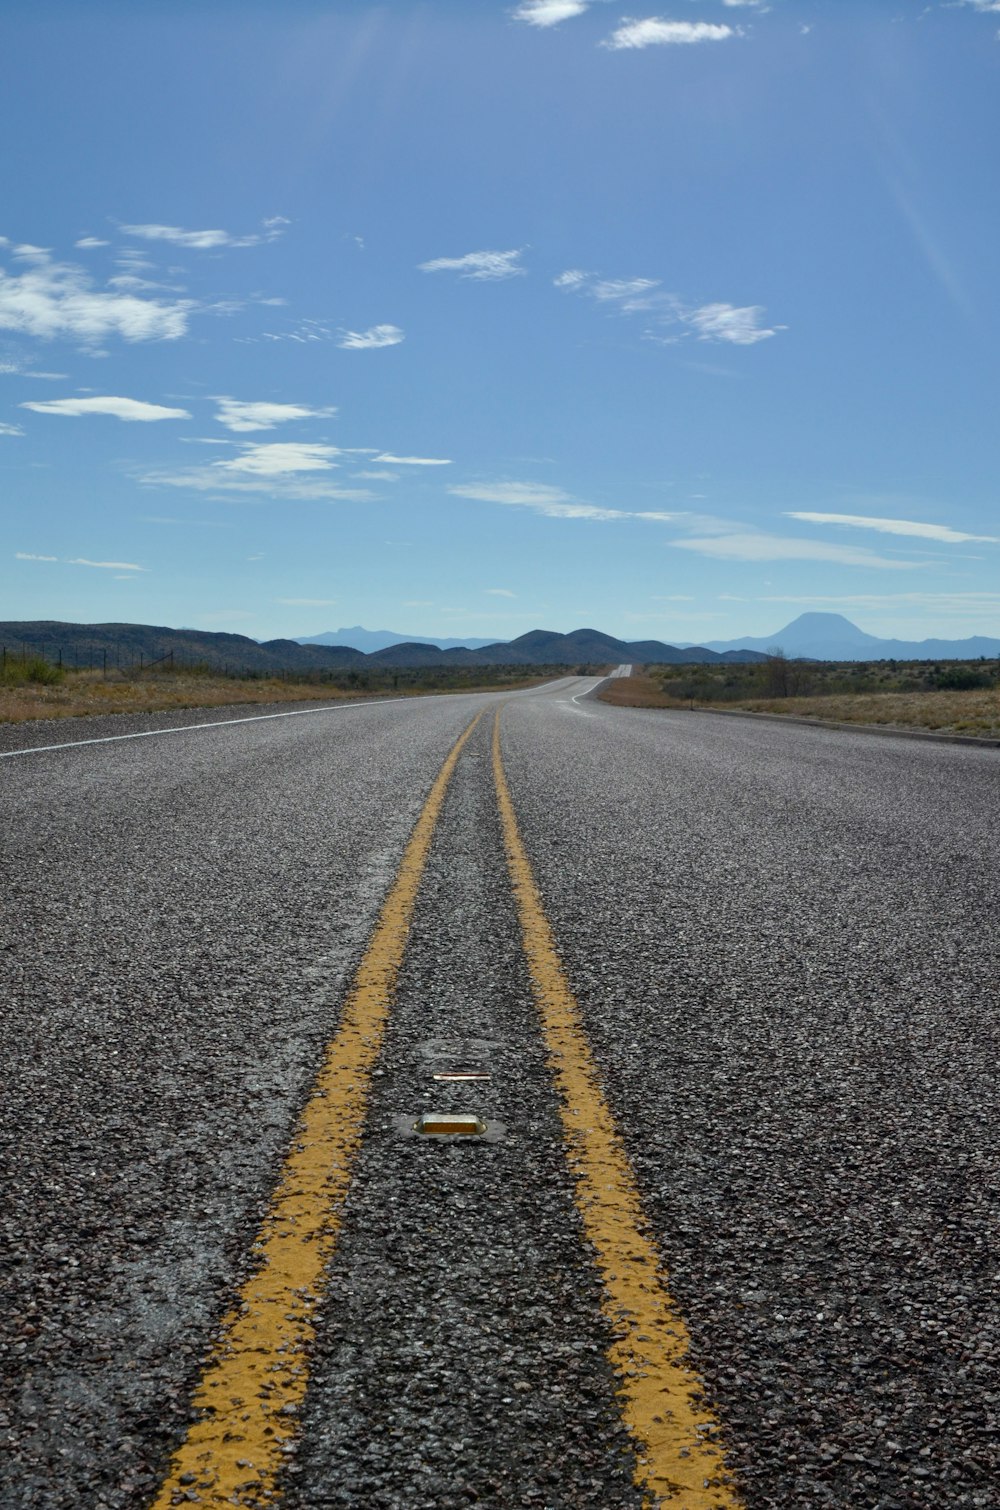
{"type": "Point", "coordinates": [86, 694]}
{"type": "Point", "coordinates": [637, 691]}
{"type": "Point", "coordinates": [972, 712]}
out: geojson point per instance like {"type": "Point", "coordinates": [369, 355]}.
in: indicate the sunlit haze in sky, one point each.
{"type": "Point", "coordinates": [461, 317]}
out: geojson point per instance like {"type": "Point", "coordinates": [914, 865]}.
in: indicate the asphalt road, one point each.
{"type": "Point", "coordinates": [783, 944]}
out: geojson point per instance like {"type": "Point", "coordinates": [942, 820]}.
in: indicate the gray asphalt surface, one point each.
{"type": "Point", "coordinates": [784, 943]}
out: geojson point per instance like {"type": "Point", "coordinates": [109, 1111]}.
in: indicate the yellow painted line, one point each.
{"type": "Point", "coordinates": [255, 1380]}
{"type": "Point", "coordinates": [677, 1461]}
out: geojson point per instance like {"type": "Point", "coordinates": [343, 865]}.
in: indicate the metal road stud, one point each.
{"type": "Point", "coordinates": [448, 1124]}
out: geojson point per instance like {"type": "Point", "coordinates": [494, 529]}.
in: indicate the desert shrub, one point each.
{"type": "Point", "coordinates": [961, 678]}
{"type": "Point", "coordinates": [19, 671]}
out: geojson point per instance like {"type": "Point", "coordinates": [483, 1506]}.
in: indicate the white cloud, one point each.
{"type": "Point", "coordinates": [275, 485]}
{"type": "Point", "coordinates": [499, 592]}
{"type": "Point", "coordinates": [371, 339]}
{"type": "Point", "coordinates": [413, 461]}
{"type": "Point", "coordinates": [30, 556]}
{"type": "Point", "coordinates": [279, 458]}
{"type": "Point", "coordinates": [553, 502]}
{"type": "Point", "coordinates": [244, 417]}
{"type": "Point", "coordinates": [483, 266]}
{"type": "Point", "coordinates": [631, 293]}
{"type": "Point", "coordinates": [53, 299]}
{"type": "Point", "coordinates": [378, 476]}
{"type": "Point", "coordinates": [941, 532]}
{"type": "Point", "coordinates": [282, 470]}
{"type": "Point", "coordinates": [960, 604]}
{"type": "Point", "coordinates": [11, 430]}
{"type": "Point", "coordinates": [206, 241]}
{"type": "Point", "coordinates": [726, 322]}
{"type": "Point", "coordinates": [549, 12]}
{"type": "Point", "coordinates": [105, 565]}
{"type": "Point", "coordinates": [87, 243]}
{"type": "Point", "coordinates": [656, 33]}
{"type": "Point", "coordinates": [754, 547]}
{"type": "Point", "coordinates": [307, 602]}
{"type": "Point", "coordinates": [120, 408]}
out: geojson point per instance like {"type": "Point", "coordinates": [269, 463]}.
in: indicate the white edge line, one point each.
{"type": "Point", "coordinates": [218, 723]}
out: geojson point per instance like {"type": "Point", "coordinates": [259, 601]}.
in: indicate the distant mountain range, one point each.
{"type": "Point", "coordinates": [370, 640]}
{"type": "Point", "coordinates": [831, 637]}
{"type": "Point", "coordinates": [128, 644]}
{"type": "Point", "coordinates": [816, 636]}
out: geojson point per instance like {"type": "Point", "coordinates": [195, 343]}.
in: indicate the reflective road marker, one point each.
{"type": "Point", "coordinates": [676, 1466]}
{"type": "Point", "coordinates": [255, 1380]}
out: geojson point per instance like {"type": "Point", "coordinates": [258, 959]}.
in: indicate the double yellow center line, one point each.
{"type": "Point", "coordinates": [255, 1381]}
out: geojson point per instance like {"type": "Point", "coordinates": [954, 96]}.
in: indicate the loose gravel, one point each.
{"type": "Point", "coordinates": [785, 943]}
{"type": "Point", "coordinates": [461, 1359]}
{"type": "Point", "coordinates": [181, 917]}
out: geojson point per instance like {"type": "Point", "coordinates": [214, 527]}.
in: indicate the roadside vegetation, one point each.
{"type": "Point", "coordinates": [961, 697]}
{"type": "Point", "coordinates": [32, 687]}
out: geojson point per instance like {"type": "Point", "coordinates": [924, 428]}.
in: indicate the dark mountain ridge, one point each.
{"type": "Point", "coordinates": [812, 636]}
{"type": "Point", "coordinates": [132, 644]}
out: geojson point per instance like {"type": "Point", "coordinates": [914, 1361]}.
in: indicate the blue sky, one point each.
{"type": "Point", "coordinates": [456, 317]}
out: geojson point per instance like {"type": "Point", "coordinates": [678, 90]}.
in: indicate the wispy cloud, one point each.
{"type": "Point", "coordinates": [205, 241]}
{"type": "Point", "coordinates": [654, 32]}
{"type": "Point", "coordinates": [282, 469]}
{"type": "Point", "coordinates": [17, 366]}
{"type": "Point", "coordinates": [88, 243]}
{"type": "Point", "coordinates": [116, 566]}
{"type": "Point", "coordinates": [120, 408]}
{"type": "Point", "coordinates": [263, 415]}
{"type": "Point", "coordinates": [499, 592]}
{"type": "Point", "coordinates": [549, 12]}
{"type": "Point", "coordinates": [762, 547]}
{"type": "Point", "coordinates": [279, 458]}
{"type": "Point", "coordinates": [739, 326]}
{"type": "Point", "coordinates": [371, 339]}
{"type": "Point", "coordinates": [959, 605]}
{"type": "Point", "coordinates": [52, 300]}
{"type": "Point", "coordinates": [378, 476]}
{"type": "Point", "coordinates": [941, 532]}
{"type": "Point", "coordinates": [413, 461]}
{"type": "Point", "coordinates": [10, 429]}
{"type": "Point", "coordinates": [553, 502]}
{"type": "Point", "coordinates": [730, 324]}
{"type": "Point", "coordinates": [485, 267]}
